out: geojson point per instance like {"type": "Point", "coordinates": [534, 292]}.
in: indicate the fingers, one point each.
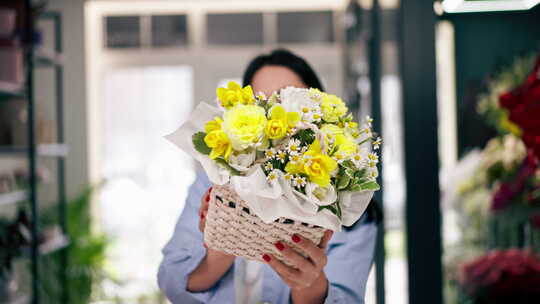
{"type": "Point", "coordinates": [326, 238]}
{"type": "Point", "coordinates": [290, 276]}
{"type": "Point", "coordinates": [296, 259]}
{"type": "Point", "coordinates": [203, 209]}
{"type": "Point", "coordinates": [315, 253]}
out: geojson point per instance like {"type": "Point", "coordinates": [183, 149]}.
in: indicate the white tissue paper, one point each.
{"type": "Point", "coordinates": [269, 201]}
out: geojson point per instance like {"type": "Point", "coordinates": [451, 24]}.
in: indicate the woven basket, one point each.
{"type": "Point", "coordinates": [231, 228]}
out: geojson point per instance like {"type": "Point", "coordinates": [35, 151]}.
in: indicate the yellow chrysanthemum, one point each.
{"type": "Point", "coordinates": [315, 164]}
{"type": "Point", "coordinates": [219, 143]}
{"type": "Point", "coordinates": [332, 108]}
{"type": "Point", "coordinates": [244, 125]}
{"type": "Point", "coordinates": [280, 122]}
{"type": "Point", "coordinates": [234, 94]}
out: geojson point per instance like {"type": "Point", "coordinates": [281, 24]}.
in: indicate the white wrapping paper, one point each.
{"type": "Point", "coordinates": [267, 201]}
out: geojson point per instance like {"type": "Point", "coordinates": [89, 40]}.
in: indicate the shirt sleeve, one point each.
{"type": "Point", "coordinates": [184, 252]}
{"type": "Point", "coordinates": [350, 256]}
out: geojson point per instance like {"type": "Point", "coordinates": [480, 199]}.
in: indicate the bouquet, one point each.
{"type": "Point", "coordinates": [292, 162]}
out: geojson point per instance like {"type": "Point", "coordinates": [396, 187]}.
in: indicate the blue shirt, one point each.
{"type": "Point", "coordinates": [350, 255]}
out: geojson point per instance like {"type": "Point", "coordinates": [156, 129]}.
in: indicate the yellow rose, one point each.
{"type": "Point", "coordinates": [244, 125]}
{"type": "Point", "coordinates": [234, 94]}
{"type": "Point", "coordinates": [280, 122]}
{"type": "Point", "coordinates": [332, 108]}
{"type": "Point", "coordinates": [316, 165]}
{"type": "Point", "coordinates": [219, 143]}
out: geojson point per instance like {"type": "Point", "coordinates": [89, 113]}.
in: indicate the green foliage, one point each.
{"type": "Point", "coordinates": [199, 144]}
{"type": "Point", "coordinates": [305, 136]}
{"type": "Point", "coordinates": [85, 254]}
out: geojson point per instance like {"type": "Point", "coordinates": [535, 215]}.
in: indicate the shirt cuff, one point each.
{"type": "Point", "coordinates": [334, 296]}
{"type": "Point", "coordinates": [176, 277]}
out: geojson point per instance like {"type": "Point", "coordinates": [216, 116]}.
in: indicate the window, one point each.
{"type": "Point", "coordinates": [302, 27]}
{"type": "Point", "coordinates": [169, 30]}
{"type": "Point", "coordinates": [235, 29]}
{"type": "Point", "coordinates": [123, 31]}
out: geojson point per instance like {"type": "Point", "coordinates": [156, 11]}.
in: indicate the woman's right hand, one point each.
{"type": "Point", "coordinates": [203, 210]}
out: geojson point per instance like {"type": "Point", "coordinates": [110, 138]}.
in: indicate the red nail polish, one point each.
{"type": "Point", "coordinates": [205, 246]}
{"type": "Point", "coordinates": [266, 257]}
{"type": "Point", "coordinates": [202, 215]}
{"type": "Point", "coordinates": [207, 197]}
{"type": "Point", "coordinates": [296, 238]}
{"type": "Point", "coordinates": [209, 189]}
{"type": "Point", "coordinates": [279, 246]}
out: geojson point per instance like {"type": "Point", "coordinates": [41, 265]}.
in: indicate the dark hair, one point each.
{"type": "Point", "coordinates": [286, 59]}
{"type": "Point", "coordinates": [298, 65]}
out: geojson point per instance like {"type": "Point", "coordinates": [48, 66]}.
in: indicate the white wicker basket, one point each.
{"type": "Point", "coordinates": [231, 228]}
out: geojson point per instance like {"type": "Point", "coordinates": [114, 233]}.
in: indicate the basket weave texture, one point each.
{"type": "Point", "coordinates": [232, 229]}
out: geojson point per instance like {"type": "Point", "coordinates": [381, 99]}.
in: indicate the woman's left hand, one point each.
{"type": "Point", "coordinates": [308, 272]}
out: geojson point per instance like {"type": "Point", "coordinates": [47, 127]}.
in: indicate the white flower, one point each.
{"type": "Point", "coordinates": [270, 153]}
{"type": "Point", "coordinates": [242, 161]}
{"type": "Point", "coordinates": [369, 121]}
{"type": "Point", "coordinates": [272, 176]}
{"type": "Point", "coordinates": [377, 143]}
{"type": "Point", "coordinates": [373, 173]}
{"type": "Point", "coordinates": [281, 155]}
{"type": "Point", "coordinates": [358, 158]}
{"type": "Point", "coordinates": [321, 196]}
{"type": "Point", "coordinates": [299, 181]}
{"type": "Point", "coordinates": [268, 166]}
{"type": "Point", "coordinates": [339, 157]}
{"type": "Point", "coordinates": [366, 130]}
{"type": "Point", "coordinates": [295, 158]}
{"type": "Point", "coordinates": [293, 146]}
{"type": "Point", "coordinates": [297, 100]}
{"type": "Point", "coordinates": [373, 157]}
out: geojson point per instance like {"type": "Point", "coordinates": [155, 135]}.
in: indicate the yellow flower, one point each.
{"type": "Point", "coordinates": [280, 122]}
{"type": "Point", "coordinates": [345, 144]}
{"type": "Point", "coordinates": [213, 125]}
{"type": "Point", "coordinates": [219, 143]}
{"type": "Point", "coordinates": [234, 94]}
{"type": "Point", "coordinates": [332, 108]}
{"type": "Point", "coordinates": [316, 165]}
{"type": "Point", "coordinates": [244, 125]}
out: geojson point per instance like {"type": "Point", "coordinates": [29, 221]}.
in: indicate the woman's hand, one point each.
{"type": "Point", "coordinates": [307, 280]}
{"type": "Point", "coordinates": [215, 264]}
{"type": "Point", "coordinates": [203, 210]}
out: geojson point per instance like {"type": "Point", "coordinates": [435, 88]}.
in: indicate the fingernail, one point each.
{"type": "Point", "coordinates": [207, 197]}
{"type": "Point", "coordinates": [202, 215]}
{"type": "Point", "coordinates": [279, 246]}
{"type": "Point", "coordinates": [266, 257]}
{"type": "Point", "coordinates": [296, 238]}
{"type": "Point", "coordinates": [210, 189]}
{"type": "Point", "coordinates": [205, 246]}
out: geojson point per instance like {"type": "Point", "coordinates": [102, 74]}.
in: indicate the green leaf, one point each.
{"type": "Point", "coordinates": [372, 186]}
{"type": "Point", "coordinates": [343, 182]}
{"type": "Point", "coordinates": [305, 136]}
{"type": "Point", "coordinates": [224, 163]}
{"type": "Point", "coordinates": [200, 145]}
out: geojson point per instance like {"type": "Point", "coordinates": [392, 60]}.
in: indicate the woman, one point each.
{"type": "Point", "coordinates": [336, 270]}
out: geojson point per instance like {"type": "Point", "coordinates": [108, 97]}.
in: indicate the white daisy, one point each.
{"type": "Point", "coordinates": [268, 166]}
{"type": "Point", "coordinates": [294, 146]}
{"type": "Point", "coordinates": [288, 177]}
{"type": "Point", "coordinates": [272, 176]}
{"type": "Point", "coordinates": [281, 155]}
{"type": "Point", "coordinates": [373, 157]}
{"type": "Point", "coordinates": [299, 181]}
{"type": "Point", "coordinates": [377, 143]}
{"type": "Point", "coordinates": [339, 157]}
{"type": "Point", "coordinates": [369, 120]}
{"type": "Point", "coordinates": [295, 158]}
{"type": "Point", "coordinates": [374, 173]}
{"type": "Point", "coordinates": [270, 153]}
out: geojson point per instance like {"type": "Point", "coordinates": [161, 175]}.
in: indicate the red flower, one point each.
{"type": "Point", "coordinates": [502, 274]}
{"type": "Point", "coordinates": [523, 103]}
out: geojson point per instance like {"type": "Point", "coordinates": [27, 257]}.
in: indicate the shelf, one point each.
{"type": "Point", "coordinates": [13, 197]}
{"type": "Point", "coordinates": [47, 57]}
{"type": "Point", "coordinates": [50, 150]}
{"type": "Point", "coordinates": [11, 89]}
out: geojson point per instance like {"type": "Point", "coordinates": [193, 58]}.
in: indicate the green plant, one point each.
{"type": "Point", "coordinates": [85, 254]}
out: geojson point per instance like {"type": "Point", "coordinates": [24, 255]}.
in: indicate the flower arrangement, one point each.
{"type": "Point", "coordinates": [296, 154]}
{"type": "Point", "coordinates": [501, 276]}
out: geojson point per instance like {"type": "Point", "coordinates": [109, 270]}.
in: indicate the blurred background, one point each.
{"type": "Point", "coordinates": [90, 191]}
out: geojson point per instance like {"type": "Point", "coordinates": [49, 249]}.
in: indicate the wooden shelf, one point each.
{"type": "Point", "coordinates": [13, 197]}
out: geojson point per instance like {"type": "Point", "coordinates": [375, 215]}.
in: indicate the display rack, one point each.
{"type": "Point", "coordinates": [37, 58]}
